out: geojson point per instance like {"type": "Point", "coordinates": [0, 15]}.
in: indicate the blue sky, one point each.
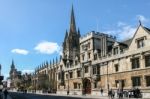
{"type": "Point", "coordinates": [32, 31]}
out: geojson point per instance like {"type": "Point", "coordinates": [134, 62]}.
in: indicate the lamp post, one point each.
{"type": "Point", "coordinates": [68, 84]}
{"type": "Point", "coordinates": [107, 78]}
{"type": "Point", "coordinates": [82, 71]}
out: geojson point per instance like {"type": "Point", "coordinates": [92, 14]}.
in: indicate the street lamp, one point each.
{"type": "Point", "coordinates": [68, 84]}
{"type": "Point", "coordinates": [107, 78]}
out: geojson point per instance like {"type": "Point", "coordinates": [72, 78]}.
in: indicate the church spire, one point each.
{"type": "Point", "coordinates": [79, 33]}
{"type": "Point", "coordinates": [66, 36]}
{"type": "Point", "coordinates": [12, 64]}
{"type": "Point", "coordinates": [72, 22]}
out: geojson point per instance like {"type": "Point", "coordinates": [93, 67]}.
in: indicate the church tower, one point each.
{"type": "Point", "coordinates": [71, 40]}
{"type": "Point", "coordinates": [12, 69]}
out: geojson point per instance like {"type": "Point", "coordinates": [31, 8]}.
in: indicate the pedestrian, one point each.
{"type": "Point", "coordinates": [113, 94]}
{"type": "Point", "coordinates": [110, 93]}
{"type": "Point", "coordinates": [101, 91]}
{"type": "Point", "coordinates": [5, 94]}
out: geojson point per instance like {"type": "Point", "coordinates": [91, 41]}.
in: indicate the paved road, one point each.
{"type": "Point", "coordinates": [15, 95]}
{"type": "Point", "coordinates": [37, 96]}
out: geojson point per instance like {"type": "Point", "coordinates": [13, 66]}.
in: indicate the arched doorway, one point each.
{"type": "Point", "coordinates": [86, 86]}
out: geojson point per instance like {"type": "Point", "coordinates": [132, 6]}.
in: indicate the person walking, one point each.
{"type": "Point", "coordinates": [110, 93]}
{"type": "Point", "coordinates": [5, 94]}
{"type": "Point", "coordinates": [101, 91]}
{"type": "Point", "coordinates": [113, 94]}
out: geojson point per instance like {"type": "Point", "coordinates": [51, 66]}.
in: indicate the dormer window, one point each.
{"type": "Point", "coordinates": [140, 43]}
{"type": "Point", "coordinates": [95, 54]}
{"type": "Point", "coordinates": [115, 50]}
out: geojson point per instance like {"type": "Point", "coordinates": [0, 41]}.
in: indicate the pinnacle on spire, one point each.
{"type": "Point", "coordinates": [140, 23]}
{"type": "Point", "coordinates": [53, 61]}
{"type": "Point", "coordinates": [79, 32]}
{"type": "Point", "coordinates": [72, 22]}
{"type": "Point", "coordinates": [12, 64]}
{"type": "Point", "coordinates": [66, 35]}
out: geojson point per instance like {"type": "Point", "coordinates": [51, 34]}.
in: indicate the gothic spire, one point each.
{"type": "Point", "coordinates": [53, 61]}
{"type": "Point", "coordinates": [66, 35]}
{"type": "Point", "coordinates": [12, 64]}
{"type": "Point", "coordinates": [56, 60]}
{"type": "Point", "coordinates": [79, 33]}
{"type": "Point", "coordinates": [72, 22]}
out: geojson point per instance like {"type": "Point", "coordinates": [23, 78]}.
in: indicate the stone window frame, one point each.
{"type": "Point", "coordinates": [86, 69]}
{"type": "Point", "coordinates": [83, 57]}
{"type": "Point", "coordinates": [75, 85]}
{"type": "Point", "coordinates": [94, 70]}
{"type": "Point", "coordinates": [71, 74]}
{"type": "Point", "coordinates": [133, 60]}
{"type": "Point", "coordinates": [137, 80]}
{"type": "Point", "coordinates": [141, 39]}
{"type": "Point", "coordinates": [89, 55]}
{"type": "Point", "coordinates": [116, 50]}
{"type": "Point", "coordinates": [147, 58]}
{"type": "Point", "coordinates": [147, 80]}
{"type": "Point", "coordinates": [78, 73]}
{"type": "Point", "coordinates": [116, 67]}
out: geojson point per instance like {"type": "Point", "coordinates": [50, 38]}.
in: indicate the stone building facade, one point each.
{"type": "Point", "coordinates": [98, 61]}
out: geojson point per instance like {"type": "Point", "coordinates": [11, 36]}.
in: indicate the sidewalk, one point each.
{"type": "Point", "coordinates": [86, 96]}
{"type": "Point", "coordinates": [8, 97]}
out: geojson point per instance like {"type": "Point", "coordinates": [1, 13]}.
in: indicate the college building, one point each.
{"type": "Point", "coordinates": [98, 61]}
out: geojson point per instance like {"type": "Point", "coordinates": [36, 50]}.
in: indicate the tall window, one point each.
{"type": "Point", "coordinates": [115, 50]}
{"type": "Point", "coordinates": [86, 69]}
{"type": "Point", "coordinates": [140, 43]}
{"type": "Point", "coordinates": [79, 85]}
{"type": "Point", "coordinates": [89, 45]}
{"type": "Point", "coordinates": [95, 56]}
{"type": "Point", "coordinates": [116, 67]}
{"type": "Point", "coordinates": [89, 55]}
{"type": "Point", "coordinates": [71, 74]}
{"type": "Point", "coordinates": [147, 61]}
{"type": "Point", "coordinates": [135, 63]}
{"type": "Point", "coordinates": [95, 84]}
{"type": "Point", "coordinates": [98, 69]}
{"type": "Point", "coordinates": [83, 57]}
{"type": "Point", "coordinates": [67, 76]}
{"type": "Point", "coordinates": [147, 80]}
{"type": "Point", "coordinates": [78, 73]}
{"type": "Point", "coordinates": [76, 62]}
{"type": "Point", "coordinates": [136, 81]}
{"type": "Point", "coordinates": [94, 70]}
{"type": "Point", "coordinates": [75, 85]}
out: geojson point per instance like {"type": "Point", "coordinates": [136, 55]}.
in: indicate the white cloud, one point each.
{"type": "Point", "coordinates": [123, 31]}
{"type": "Point", "coordinates": [142, 18]}
{"type": "Point", "coordinates": [46, 47]}
{"type": "Point", "coordinates": [119, 24]}
{"type": "Point", "coordinates": [27, 71]}
{"type": "Point", "coordinates": [20, 51]}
